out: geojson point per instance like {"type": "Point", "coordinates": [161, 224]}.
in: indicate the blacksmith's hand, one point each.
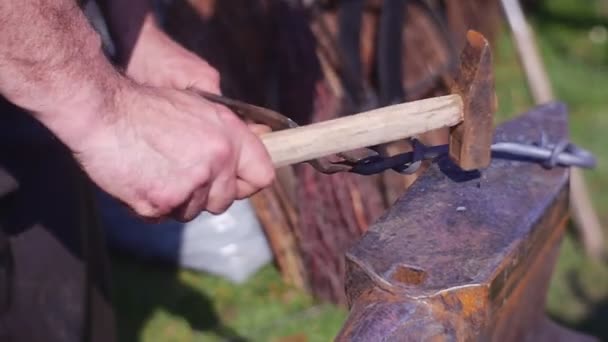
{"type": "Point", "coordinates": [169, 153]}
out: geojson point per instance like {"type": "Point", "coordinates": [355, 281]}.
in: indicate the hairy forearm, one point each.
{"type": "Point", "coordinates": [52, 65]}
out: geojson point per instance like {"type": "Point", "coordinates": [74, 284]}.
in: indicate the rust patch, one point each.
{"type": "Point", "coordinates": [407, 275]}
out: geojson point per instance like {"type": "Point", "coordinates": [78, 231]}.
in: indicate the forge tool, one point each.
{"type": "Point", "coordinates": [468, 112]}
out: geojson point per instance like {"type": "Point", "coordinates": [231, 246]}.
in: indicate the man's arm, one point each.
{"type": "Point", "coordinates": [163, 152]}
{"type": "Point", "coordinates": [51, 62]}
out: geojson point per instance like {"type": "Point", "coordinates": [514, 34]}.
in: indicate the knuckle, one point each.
{"type": "Point", "coordinates": [146, 210]}
{"type": "Point", "coordinates": [200, 176]}
{"type": "Point", "coordinates": [222, 151]}
{"type": "Point", "coordinates": [163, 202]}
{"type": "Point", "coordinates": [222, 196]}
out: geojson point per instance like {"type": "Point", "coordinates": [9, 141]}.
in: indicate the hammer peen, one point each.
{"type": "Point", "coordinates": [468, 111]}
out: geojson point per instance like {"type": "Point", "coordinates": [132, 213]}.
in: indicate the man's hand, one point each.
{"type": "Point", "coordinates": [170, 153]}
{"type": "Point", "coordinates": [159, 61]}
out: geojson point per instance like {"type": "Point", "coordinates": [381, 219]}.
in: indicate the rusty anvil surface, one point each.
{"type": "Point", "coordinates": [466, 256]}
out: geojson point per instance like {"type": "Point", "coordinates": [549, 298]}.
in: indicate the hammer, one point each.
{"type": "Point", "coordinates": [468, 111]}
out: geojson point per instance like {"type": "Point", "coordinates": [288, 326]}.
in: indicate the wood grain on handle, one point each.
{"type": "Point", "coordinates": [364, 129]}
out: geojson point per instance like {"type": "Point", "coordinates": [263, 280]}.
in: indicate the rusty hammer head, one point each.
{"type": "Point", "coordinates": [470, 141]}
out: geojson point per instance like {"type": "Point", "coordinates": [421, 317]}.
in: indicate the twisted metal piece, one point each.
{"type": "Point", "coordinates": [563, 153]}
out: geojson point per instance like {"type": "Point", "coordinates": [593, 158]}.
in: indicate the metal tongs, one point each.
{"type": "Point", "coordinates": [346, 161]}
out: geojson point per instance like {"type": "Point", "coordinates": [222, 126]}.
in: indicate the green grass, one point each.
{"type": "Point", "coordinates": [157, 303]}
{"type": "Point", "coordinates": [160, 303]}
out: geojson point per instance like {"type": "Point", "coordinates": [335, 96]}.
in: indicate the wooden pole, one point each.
{"type": "Point", "coordinates": [584, 215]}
{"type": "Point", "coordinates": [529, 56]}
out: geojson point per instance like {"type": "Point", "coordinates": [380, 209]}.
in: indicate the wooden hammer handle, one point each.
{"type": "Point", "coordinates": [370, 128]}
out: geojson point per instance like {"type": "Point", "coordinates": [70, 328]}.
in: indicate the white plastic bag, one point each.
{"type": "Point", "coordinates": [231, 245]}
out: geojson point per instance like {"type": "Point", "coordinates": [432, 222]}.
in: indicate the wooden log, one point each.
{"type": "Point", "coordinates": [529, 56]}
{"type": "Point", "coordinates": [279, 219]}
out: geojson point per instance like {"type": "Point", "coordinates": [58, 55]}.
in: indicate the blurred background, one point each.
{"type": "Point", "coordinates": [216, 279]}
